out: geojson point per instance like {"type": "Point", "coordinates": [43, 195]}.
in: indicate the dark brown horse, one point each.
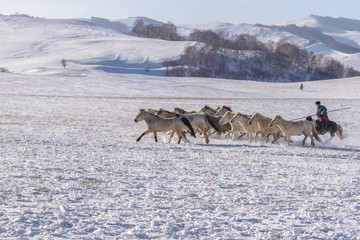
{"type": "Point", "coordinates": [332, 128]}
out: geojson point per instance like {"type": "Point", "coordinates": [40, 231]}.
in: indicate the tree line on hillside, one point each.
{"type": "Point", "coordinates": [165, 31]}
{"type": "Point", "coordinates": [217, 55]}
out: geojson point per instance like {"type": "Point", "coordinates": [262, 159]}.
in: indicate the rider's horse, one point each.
{"type": "Point", "coordinates": [332, 128]}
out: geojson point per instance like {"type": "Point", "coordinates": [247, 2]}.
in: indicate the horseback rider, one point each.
{"type": "Point", "coordinates": [322, 115]}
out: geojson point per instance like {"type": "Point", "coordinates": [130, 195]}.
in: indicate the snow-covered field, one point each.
{"type": "Point", "coordinates": [70, 166]}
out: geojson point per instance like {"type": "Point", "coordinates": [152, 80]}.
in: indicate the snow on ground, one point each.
{"type": "Point", "coordinates": [70, 166]}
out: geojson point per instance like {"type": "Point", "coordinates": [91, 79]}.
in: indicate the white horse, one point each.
{"type": "Point", "coordinates": [263, 123]}
{"type": "Point", "coordinates": [249, 129]}
{"type": "Point", "coordinates": [290, 128]}
{"type": "Point", "coordinates": [235, 126]}
{"type": "Point", "coordinates": [156, 124]}
{"type": "Point", "coordinates": [202, 122]}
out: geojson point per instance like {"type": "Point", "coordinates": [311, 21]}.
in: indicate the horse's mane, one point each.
{"type": "Point", "coordinates": [180, 110]}
{"type": "Point", "coordinates": [240, 114]}
{"type": "Point", "coordinates": [164, 110]}
{"type": "Point", "coordinates": [144, 111]}
{"type": "Point", "coordinates": [279, 117]}
{"type": "Point", "coordinates": [168, 112]}
{"type": "Point", "coordinates": [261, 115]}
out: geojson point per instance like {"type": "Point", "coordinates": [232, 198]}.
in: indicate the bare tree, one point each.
{"type": "Point", "coordinates": [64, 63]}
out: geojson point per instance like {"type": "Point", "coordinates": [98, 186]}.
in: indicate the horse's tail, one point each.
{"type": "Point", "coordinates": [339, 132]}
{"type": "Point", "coordinates": [315, 133]}
{"type": "Point", "coordinates": [188, 124]}
{"type": "Point", "coordinates": [214, 123]}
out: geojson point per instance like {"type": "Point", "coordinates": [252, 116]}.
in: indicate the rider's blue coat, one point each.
{"type": "Point", "coordinates": [322, 111]}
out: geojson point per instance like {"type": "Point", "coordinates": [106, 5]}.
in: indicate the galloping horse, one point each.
{"type": "Point", "coordinates": [249, 129]}
{"type": "Point", "coordinates": [157, 124]}
{"type": "Point", "coordinates": [263, 123]}
{"type": "Point", "coordinates": [202, 122]}
{"type": "Point", "coordinates": [290, 128]}
{"type": "Point", "coordinates": [333, 128]}
{"type": "Point", "coordinates": [235, 126]}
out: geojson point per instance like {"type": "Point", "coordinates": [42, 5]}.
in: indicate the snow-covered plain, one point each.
{"type": "Point", "coordinates": [70, 166]}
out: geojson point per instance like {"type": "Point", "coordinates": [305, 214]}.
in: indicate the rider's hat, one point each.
{"type": "Point", "coordinates": [317, 102]}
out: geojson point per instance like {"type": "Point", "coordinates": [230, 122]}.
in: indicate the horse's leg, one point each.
{"type": "Point", "coordinates": [250, 137]}
{"type": "Point", "coordinates": [234, 135]}
{"type": "Point", "coordinates": [288, 139]}
{"type": "Point", "coordinates": [171, 135]}
{"type": "Point", "coordinates": [276, 137]}
{"type": "Point", "coordinates": [332, 132]}
{"type": "Point", "coordinates": [242, 134]}
{"type": "Point", "coordinates": [206, 137]}
{"type": "Point", "coordinates": [306, 136]}
{"type": "Point", "coordinates": [184, 136]}
{"type": "Point", "coordinates": [312, 141]}
{"type": "Point", "coordinates": [179, 136]}
{"type": "Point", "coordinates": [256, 136]}
{"type": "Point", "coordinates": [143, 134]}
{"type": "Point", "coordinates": [265, 137]}
{"type": "Point", "coordinates": [155, 136]}
{"type": "Point", "coordinates": [227, 134]}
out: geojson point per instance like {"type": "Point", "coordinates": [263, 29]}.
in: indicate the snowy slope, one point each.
{"type": "Point", "coordinates": [70, 166]}
{"type": "Point", "coordinates": [33, 43]}
{"type": "Point", "coordinates": [308, 21]}
{"type": "Point", "coordinates": [342, 30]}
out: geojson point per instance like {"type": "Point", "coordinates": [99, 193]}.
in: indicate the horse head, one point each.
{"type": "Point", "coordinates": [222, 110]}
{"type": "Point", "coordinates": [309, 118]}
{"type": "Point", "coordinates": [227, 108]}
{"type": "Point", "coordinates": [139, 116]}
{"type": "Point", "coordinates": [275, 120]}
{"type": "Point", "coordinates": [253, 117]}
{"type": "Point", "coordinates": [204, 108]}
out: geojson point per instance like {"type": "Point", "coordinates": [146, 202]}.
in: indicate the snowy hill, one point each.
{"type": "Point", "coordinates": [33, 43]}
{"type": "Point", "coordinates": [340, 36]}
{"type": "Point", "coordinates": [106, 44]}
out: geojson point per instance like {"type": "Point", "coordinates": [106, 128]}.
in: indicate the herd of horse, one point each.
{"type": "Point", "coordinates": [222, 120]}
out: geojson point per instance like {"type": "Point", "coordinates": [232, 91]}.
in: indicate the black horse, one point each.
{"type": "Point", "coordinates": [332, 128]}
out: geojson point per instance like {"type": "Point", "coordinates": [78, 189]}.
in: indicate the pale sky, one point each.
{"type": "Point", "coordinates": [185, 11]}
